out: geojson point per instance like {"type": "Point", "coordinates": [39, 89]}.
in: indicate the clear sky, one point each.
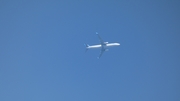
{"type": "Point", "coordinates": [42, 56]}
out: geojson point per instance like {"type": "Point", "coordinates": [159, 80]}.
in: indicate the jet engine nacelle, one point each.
{"type": "Point", "coordinates": [106, 42]}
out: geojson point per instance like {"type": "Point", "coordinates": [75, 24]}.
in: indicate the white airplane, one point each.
{"type": "Point", "coordinates": [103, 46]}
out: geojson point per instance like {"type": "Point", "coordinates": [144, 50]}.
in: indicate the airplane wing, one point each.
{"type": "Point", "coordinates": [102, 51]}
{"type": "Point", "coordinates": [100, 39]}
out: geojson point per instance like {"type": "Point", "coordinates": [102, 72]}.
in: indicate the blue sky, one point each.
{"type": "Point", "coordinates": [42, 53]}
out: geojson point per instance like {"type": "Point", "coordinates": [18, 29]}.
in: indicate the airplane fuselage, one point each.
{"type": "Point", "coordinates": [103, 45]}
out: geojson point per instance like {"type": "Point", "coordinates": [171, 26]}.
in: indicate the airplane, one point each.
{"type": "Point", "coordinates": [103, 45]}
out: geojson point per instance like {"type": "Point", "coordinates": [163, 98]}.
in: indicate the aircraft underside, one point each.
{"type": "Point", "coordinates": [103, 46]}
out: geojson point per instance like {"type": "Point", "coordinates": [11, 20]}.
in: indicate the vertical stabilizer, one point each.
{"type": "Point", "coordinates": [86, 45]}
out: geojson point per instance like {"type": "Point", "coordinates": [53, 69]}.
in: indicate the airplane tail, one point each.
{"type": "Point", "coordinates": [86, 45]}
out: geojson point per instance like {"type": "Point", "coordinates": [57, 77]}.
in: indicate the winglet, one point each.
{"type": "Point", "coordinates": [96, 32]}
